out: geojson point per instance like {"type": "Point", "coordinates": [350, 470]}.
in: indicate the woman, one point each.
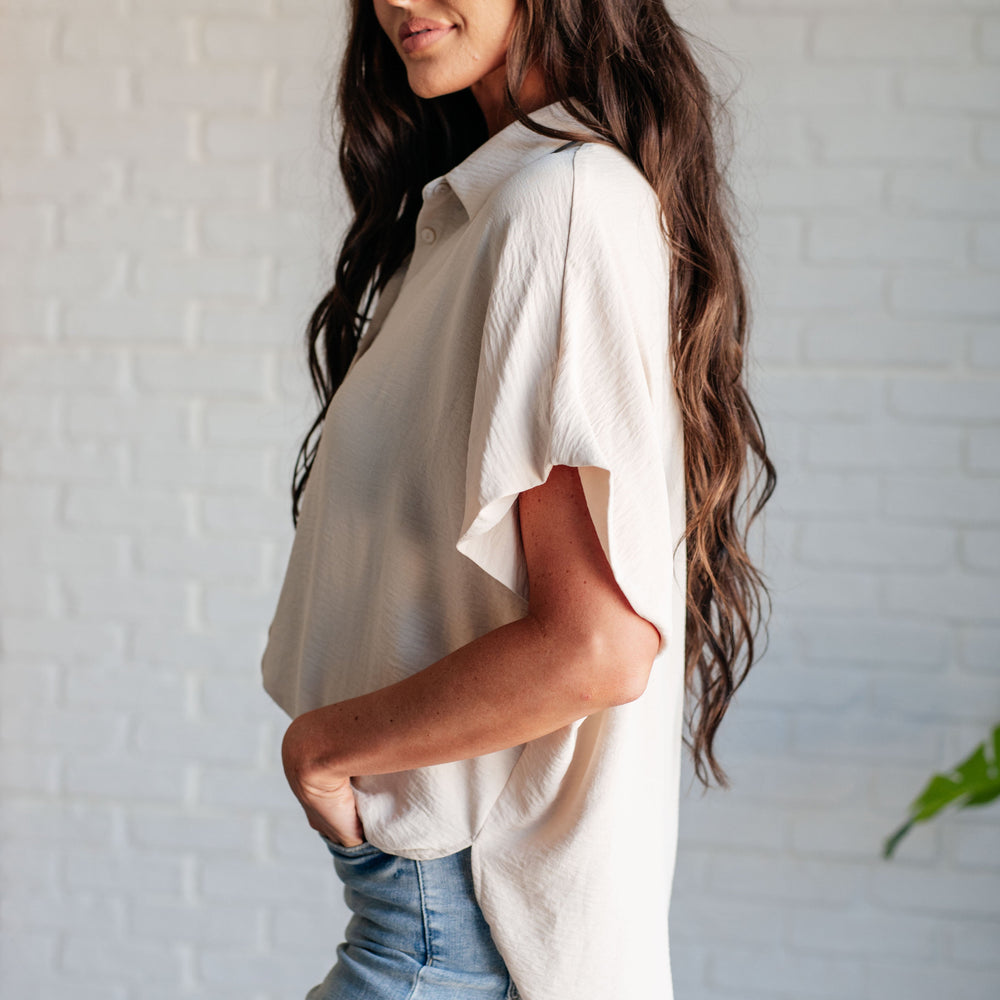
{"type": "Point", "coordinates": [523, 534]}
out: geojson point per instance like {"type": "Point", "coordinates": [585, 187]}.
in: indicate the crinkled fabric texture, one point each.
{"type": "Point", "coordinates": [529, 328]}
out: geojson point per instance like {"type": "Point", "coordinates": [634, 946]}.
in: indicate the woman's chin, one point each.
{"type": "Point", "coordinates": [424, 85]}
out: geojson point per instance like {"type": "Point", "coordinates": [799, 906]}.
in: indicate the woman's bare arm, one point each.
{"type": "Point", "coordinates": [580, 648]}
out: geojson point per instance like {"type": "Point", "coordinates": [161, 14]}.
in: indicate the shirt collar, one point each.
{"type": "Point", "coordinates": [502, 155]}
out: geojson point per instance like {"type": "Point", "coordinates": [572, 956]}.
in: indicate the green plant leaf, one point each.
{"type": "Point", "coordinates": [973, 782]}
{"type": "Point", "coordinates": [986, 794]}
{"type": "Point", "coordinates": [939, 792]}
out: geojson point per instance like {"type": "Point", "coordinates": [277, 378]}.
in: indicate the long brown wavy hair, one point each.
{"type": "Point", "coordinates": [626, 70]}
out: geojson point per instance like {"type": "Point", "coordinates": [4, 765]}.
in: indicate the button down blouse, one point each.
{"type": "Point", "coordinates": [528, 328]}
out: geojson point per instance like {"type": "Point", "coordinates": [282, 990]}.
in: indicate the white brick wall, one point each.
{"type": "Point", "coordinates": [167, 210]}
{"type": "Point", "coordinates": [871, 183]}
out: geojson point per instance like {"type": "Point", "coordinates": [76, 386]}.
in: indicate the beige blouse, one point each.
{"type": "Point", "coordinates": [527, 329]}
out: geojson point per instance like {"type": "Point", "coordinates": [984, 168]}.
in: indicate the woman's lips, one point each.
{"type": "Point", "coordinates": [420, 40]}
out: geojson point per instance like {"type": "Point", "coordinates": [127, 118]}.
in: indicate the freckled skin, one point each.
{"type": "Point", "coordinates": [471, 55]}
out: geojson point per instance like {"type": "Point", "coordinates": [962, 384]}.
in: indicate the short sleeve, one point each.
{"type": "Point", "coordinates": [574, 370]}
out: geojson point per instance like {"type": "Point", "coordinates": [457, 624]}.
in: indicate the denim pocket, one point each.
{"type": "Point", "coordinates": [358, 850]}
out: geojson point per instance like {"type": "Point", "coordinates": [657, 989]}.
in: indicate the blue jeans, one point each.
{"type": "Point", "coordinates": [416, 932]}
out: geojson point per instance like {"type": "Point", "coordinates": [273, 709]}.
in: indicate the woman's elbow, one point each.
{"type": "Point", "coordinates": [622, 652]}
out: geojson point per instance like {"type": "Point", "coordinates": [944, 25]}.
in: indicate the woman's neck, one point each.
{"type": "Point", "coordinates": [489, 93]}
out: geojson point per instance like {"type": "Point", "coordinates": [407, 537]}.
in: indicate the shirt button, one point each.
{"type": "Point", "coordinates": [428, 235]}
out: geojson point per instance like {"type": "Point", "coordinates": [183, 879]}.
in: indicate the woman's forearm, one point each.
{"type": "Point", "coordinates": [512, 685]}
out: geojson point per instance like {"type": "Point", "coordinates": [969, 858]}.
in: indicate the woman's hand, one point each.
{"type": "Point", "coordinates": [328, 799]}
